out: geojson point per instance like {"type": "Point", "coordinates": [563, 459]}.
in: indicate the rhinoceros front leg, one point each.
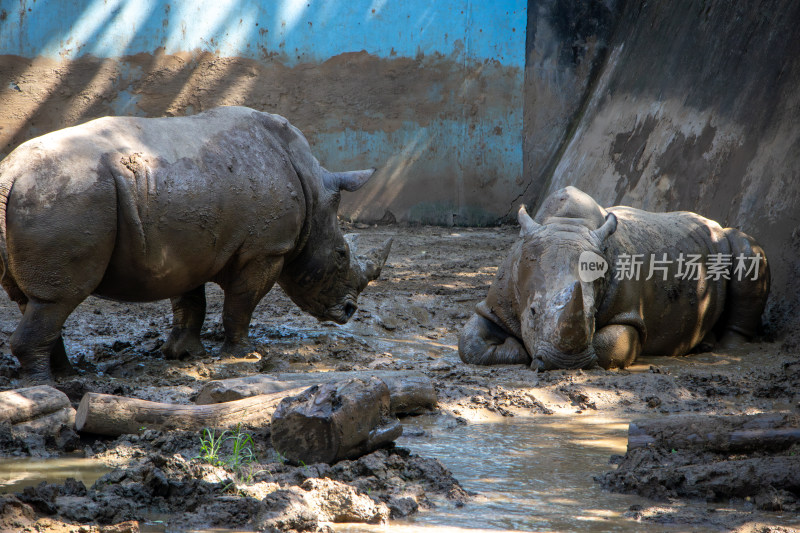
{"type": "Point", "coordinates": [617, 345]}
{"type": "Point", "coordinates": [482, 342]}
{"type": "Point", "coordinates": [188, 314]}
{"type": "Point", "coordinates": [243, 290]}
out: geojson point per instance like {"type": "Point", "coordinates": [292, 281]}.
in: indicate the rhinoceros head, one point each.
{"type": "Point", "coordinates": [556, 307]}
{"type": "Point", "coordinates": [327, 276]}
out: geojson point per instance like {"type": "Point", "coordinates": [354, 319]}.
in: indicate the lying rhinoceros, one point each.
{"type": "Point", "coordinates": [568, 295]}
{"type": "Point", "coordinates": [139, 209]}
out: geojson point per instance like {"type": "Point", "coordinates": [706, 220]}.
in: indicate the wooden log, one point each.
{"type": "Point", "coordinates": [724, 434]}
{"type": "Point", "coordinates": [48, 424]}
{"type": "Point", "coordinates": [105, 414]}
{"type": "Point", "coordinates": [20, 405]}
{"type": "Point", "coordinates": [334, 421]}
{"type": "Point", "coordinates": [410, 392]}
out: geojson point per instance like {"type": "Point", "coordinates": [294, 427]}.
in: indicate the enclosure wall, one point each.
{"type": "Point", "coordinates": [428, 92]}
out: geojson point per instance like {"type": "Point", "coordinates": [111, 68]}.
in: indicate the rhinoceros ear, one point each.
{"type": "Point", "coordinates": [527, 225]}
{"type": "Point", "coordinates": [349, 181]}
{"type": "Point", "coordinates": [608, 227]}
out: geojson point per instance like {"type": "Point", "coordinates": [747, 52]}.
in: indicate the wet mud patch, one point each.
{"type": "Point", "coordinates": [170, 475]}
{"type": "Point", "coordinates": [766, 481]}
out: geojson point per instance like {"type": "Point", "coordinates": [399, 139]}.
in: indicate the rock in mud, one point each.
{"type": "Point", "coordinates": [318, 500]}
{"type": "Point", "coordinates": [15, 514]}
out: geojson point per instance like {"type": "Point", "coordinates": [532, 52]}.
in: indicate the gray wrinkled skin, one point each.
{"type": "Point", "coordinates": [138, 209]}
{"type": "Point", "coordinates": [539, 312]}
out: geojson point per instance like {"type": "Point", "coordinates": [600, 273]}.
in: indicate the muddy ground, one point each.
{"type": "Point", "coordinates": [408, 319]}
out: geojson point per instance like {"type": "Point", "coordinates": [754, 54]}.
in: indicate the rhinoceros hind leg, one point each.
{"type": "Point", "coordinates": [59, 362]}
{"type": "Point", "coordinates": [732, 339]}
{"type": "Point", "coordinates": [745, 297]}
{"type": "Point", "coordinates": [188, 314]}
{"type": "Point", "coordinates": [37, 340]}
{"type": "Point", "coordinates": [707, 344]}
{"type": "Point", "coordinates": [483, 342]}
{"type": "Point", "coordinates": [245, 289]}
{"type": "Point", "coordinates": [616, 345]}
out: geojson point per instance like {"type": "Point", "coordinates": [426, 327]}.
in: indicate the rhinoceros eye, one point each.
{"type": "Point", "coordinates": [341, 252]}
{"type": "Point", "coordinates": [533, 311]}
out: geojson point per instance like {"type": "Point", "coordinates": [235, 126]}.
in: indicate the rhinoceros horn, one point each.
{"type": "Point", "coordinates": [527, 225]}
{"type": "Point", "coordinates": [371, 263]}
{"type": "Point", "coordinates": [572, 335]}
{"type": "Point", "coordinates": [349, 181]}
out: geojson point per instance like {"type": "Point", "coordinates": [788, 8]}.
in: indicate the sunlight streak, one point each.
{"type": "Point", "coordinates": [289, 15]}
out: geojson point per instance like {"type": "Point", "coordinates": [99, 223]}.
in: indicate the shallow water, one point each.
{"type": "Point", "coordinates": [529, 473]}
{"type": "Point", "coordinates": [16, 474]}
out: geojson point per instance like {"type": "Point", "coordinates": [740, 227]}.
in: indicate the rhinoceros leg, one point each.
{"type": "Point", "coordinates": [244, 288]}
{"type": "Point", "coordinates": [616, 345]}
{"type": "Point", "coordinates": [188, 314]}
{"type": "Point", "coordinates": [59, 362]}
{"type": "Point", "coordinates": [37, 341]}
{"type": "Point", "coordinates": [482, 342]}
{"type": "Point", "coordinates": [745, 297]}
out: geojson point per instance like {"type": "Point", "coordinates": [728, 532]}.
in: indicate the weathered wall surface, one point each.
{"type": "Point", "coordinates": [565, 48]}
{"type": "Point", "coordinates": [429, 92]}
{"type": "Point", "coordinates": [698, 108]}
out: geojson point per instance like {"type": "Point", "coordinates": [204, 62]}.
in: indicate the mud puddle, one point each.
{"type": "Point", "coordinates": [529, 474]}
{"type": "Point", "coordinates": [16, 474]}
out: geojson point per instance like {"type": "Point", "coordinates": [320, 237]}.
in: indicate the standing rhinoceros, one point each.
{"type": "Point", "coordinates": [696, 281]}
{"type": "Point", "coordinates": [139, 209]}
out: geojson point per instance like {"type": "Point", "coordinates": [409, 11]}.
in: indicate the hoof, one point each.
{"type": "Point", "coordinates": [59, 362]}
{"type": "Point", "coordinates": [183, 345]}
{"type": "Point", "coordinates": [31, 379]}
{"type": "Point", "coordinates": [731, 340]}
{"type": "Point", "coordinates": [240, 350]}
{"type": "Point", "coordinates": [64, 371]}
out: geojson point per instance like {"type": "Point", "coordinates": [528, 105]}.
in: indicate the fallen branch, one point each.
{"type": "Point", "coordinates": [105, 414]}
{"type": "Point", "coordinates": [21, 405]}
{"type": "Point", "coordinates": [410, 393]}
{"type": "Point", "coordinates": [48, 424]}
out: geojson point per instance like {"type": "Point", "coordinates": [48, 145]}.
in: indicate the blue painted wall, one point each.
{"type": "Point", "coordinates": [453, 167]}
{"type": "Point", "coordinates": [296, 30]}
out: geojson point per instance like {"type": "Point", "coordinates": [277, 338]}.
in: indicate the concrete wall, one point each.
{"type": "Point", "coordinates": [566, 46]}
{"type": "Point", "coordinates": [697, 107]}
{"type": "Point", "coordinates": [430, 92]}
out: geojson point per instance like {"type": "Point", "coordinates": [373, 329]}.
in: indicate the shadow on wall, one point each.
{"type": "Point", "coordinates": [438, 109]}
{"type": "Point", "coordinates": [697, 108]}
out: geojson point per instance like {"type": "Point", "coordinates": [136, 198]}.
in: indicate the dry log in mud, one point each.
{"type": "Point", "coordinates": [334, 421]}
{"type": "Point", "coordinates": [409, 392]}
{"type": "Point", "coordinates": [48, 424]}
{"type": "Point", "coordinates": [105, 414]}
{"type": "Point", "coordinates": [41, 409]}
{"type": "Point", "coordinates": [724, 434]}
{"type": "Point", "coordinates": [21, 405]}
